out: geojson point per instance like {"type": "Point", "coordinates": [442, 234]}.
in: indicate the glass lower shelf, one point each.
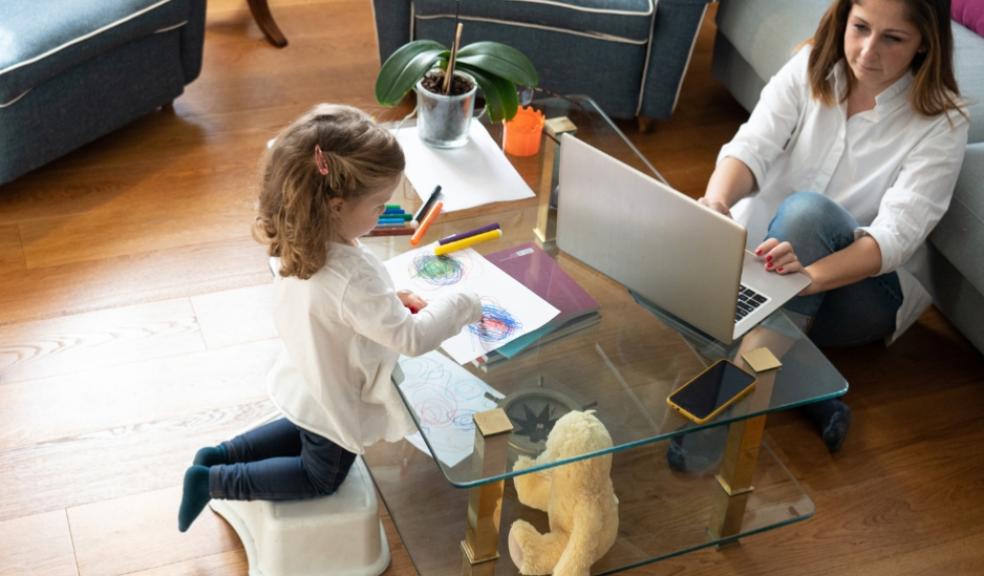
{"type": "Point", "coordinates": [662, 512]}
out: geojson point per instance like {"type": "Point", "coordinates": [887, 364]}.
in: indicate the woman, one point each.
{"type": "Point", "coordinates": [845, 166]}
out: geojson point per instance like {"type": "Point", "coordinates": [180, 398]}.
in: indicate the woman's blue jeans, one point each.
{"type": "Point", "coordinates": [859, 313]}
{"type": "Point", "coordinates": [279, 461]}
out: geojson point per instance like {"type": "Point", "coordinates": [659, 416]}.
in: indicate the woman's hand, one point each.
{"type": "Point", "coordinates": [412, 301]}
{"type": "Point", "coordinates": [715, 205]}
{"type": "Point", "coordinates": [779, 257]}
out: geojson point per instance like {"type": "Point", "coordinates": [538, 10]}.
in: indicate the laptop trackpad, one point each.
{"type": "Point", "coordinates": [778, 288]}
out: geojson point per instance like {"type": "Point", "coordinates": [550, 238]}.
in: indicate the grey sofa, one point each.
{"type": "Point", "coordinates": [72, 71]}
{"type": "Point", "coordinates": [756, 37]}
{"type": "Point", "coordinates": [629, 55]}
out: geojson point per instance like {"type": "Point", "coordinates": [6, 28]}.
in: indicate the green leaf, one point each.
{"type": "Point", "coordinates": [501, 99]}
{"type": "Point", "coordinates": [406, 67]}
{"type": "Point", "coordinates": [500, 60]}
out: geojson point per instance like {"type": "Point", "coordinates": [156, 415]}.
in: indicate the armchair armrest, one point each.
{"type": "Point", "coordinates": [674, 34]}
{"type": "Point", "coordinates": [393, 23]}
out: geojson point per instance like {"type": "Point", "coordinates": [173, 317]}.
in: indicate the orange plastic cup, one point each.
{"type": "Point", "coordinates": [522, 134]}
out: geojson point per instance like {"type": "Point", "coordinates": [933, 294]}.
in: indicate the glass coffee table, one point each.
{"type": "Point", "coordinates": [681, 486]}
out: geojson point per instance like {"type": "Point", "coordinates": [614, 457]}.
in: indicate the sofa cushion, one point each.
{"type": "Point", "coordinates": [631, 21]}
{"type": "Point", "coordinates": [70, 32]}
{"type": "Point", "coordinates": [766, 32]}
{"type": "Point", "coordinates": [968, 66]}
{"type": "Point", "coordinates": [960, 234]}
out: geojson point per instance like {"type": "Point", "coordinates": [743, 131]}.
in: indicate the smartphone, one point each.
{"type": "Point", "coordinates": [710, 392]}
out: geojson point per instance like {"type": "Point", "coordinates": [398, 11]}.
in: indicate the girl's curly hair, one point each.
{"type": "Point", "coordinates": [293, 217]}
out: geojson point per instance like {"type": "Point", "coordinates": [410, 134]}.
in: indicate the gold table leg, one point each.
{"type": "Point", "coordinates": [480, 548]}
{"type": "Point", "coordinates": [735, 477]}
{"type": "Point", "coordinates": [546, 217]}
{"type": "Point", "coordinates": [740, 460]}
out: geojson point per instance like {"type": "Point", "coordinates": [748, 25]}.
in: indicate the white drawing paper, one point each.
{"type": "Point", "coordinates": [509, 309]}
{"type": "Point", "coordinates": [445, 396]}
{"type": "Point", "coordinates": [475, 174]}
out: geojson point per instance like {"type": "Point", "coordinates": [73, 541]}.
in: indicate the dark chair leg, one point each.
{"type": "Point", "coordinates": [261, 13]}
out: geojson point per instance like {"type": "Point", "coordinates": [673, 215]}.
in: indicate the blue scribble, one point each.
{"type": "Point", "coordinates": [496, 324]}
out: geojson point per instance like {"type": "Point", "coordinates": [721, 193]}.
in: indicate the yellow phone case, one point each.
{"type": "Point", "coordinates": [693, 418]}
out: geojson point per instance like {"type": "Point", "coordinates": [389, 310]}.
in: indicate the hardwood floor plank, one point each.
{"type": "Point", "coordinates": [236, 316]}
{"type": "Point", "coordinates": [960, 556]}
{"type": "Point", "coordinates": [39, 544]}
{"type": "Point", "coordinates": [193, 217]}
{"type": "Point", "coordinates": [137, 278]}
{"type": "Point", "coordinates": [11, 252]}
{"type": "Point", "coordinates": [137, 532]}
{"type": "Point", "coordinates": [231, 563]}
{"type": "Point", "coordinates": [96, 340]}
{"type": "Point", "coordinates": [87, 402]}
{"type": "Point", "coordinates": [114, 462]}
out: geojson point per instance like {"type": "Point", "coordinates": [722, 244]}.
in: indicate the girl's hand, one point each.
{"type": "Point", "coordinates": [412, 301]}
{"type": "Point", "coordinates": [715, 205]}
{"type": "Point", "coordinates": [778, 256]}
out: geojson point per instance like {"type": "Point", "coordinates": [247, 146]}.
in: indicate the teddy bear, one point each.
{"type": "Point", "coordinates": [578, 498]}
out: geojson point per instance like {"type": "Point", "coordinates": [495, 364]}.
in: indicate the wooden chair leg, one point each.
{"type": "Point", "coordinates": [261, 13]}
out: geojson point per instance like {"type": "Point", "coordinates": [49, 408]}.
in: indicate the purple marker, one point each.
{"type": "Point", "coordinates": [470, 233]}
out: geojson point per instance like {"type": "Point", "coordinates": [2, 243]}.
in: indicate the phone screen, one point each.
{"type": "Point", "coordinates": [714, 387]}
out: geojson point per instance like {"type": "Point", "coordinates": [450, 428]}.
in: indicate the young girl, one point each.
{"type": "Point", "coordinates": [847, 163]}
{"type": "Point", "coordinates": [326, 181]}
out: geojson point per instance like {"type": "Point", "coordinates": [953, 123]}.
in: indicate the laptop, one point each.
{"type": "Point", "coordinates": [683, 257]}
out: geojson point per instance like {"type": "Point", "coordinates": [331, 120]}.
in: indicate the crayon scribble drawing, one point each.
{"type": "Point", "coordinates": [437, 271]}
{"type": "Point", "coordinates": [509, 308]}
{"type": "Point", "coordinates": [444, 396]}
{"type": "Point", "coordinates": [496, 325]}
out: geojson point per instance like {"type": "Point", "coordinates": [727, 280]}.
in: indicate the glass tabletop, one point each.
{"type": "Point", "coordinates": [624, 363]}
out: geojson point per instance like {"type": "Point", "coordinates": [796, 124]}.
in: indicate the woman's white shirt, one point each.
{"type": "Point", "coordinates": [890, 167]}
{"type": "Point", "coordinates": [343, 330]}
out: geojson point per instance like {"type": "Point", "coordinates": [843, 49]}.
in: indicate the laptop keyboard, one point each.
{"type": "Point", "coordinates": [748, 300]}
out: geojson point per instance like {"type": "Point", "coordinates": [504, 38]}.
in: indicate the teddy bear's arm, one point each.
{"type": "Point", "coordinates": [578, 555]}
{"type": "Point", "coordinates": [532, 489]}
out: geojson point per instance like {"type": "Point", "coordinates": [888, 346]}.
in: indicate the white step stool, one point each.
{"type": "Point", "coordinates": [339, 534]}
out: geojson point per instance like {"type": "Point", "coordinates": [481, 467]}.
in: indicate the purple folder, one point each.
{"type": "Point", "coordinates": [536, 270]}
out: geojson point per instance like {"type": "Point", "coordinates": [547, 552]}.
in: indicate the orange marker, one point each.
{"type": "Point", "coordinates": [425, 224]}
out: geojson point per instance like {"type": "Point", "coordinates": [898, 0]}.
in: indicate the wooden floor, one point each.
{"type": "Point", "coordinates": [133, 330]}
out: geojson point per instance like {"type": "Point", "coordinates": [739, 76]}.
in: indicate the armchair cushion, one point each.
{"type": "Point", "coordinates": [631, 20]}
{"type": "Point", "coordinates": [76, 70]}
{"type": "Point", "coordinates": [72, 32]}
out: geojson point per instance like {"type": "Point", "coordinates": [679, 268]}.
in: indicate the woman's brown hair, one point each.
{"type": "Point", "coordinates": [359, 158]}
{"type": "Point", "coordinates": [934, 89]}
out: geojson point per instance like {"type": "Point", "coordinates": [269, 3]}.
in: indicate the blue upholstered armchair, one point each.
{"type": "Point", "coordinates": [72, 71]}
{"type": "Point", "coordinates": [629, 55]}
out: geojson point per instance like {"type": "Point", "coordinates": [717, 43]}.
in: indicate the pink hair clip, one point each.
{"type": "Point", "coordinates": [320, 160]}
